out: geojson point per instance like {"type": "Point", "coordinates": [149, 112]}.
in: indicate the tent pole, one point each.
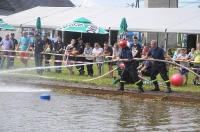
{"type": "Point", "coordinates": [166, 40]}
{"type": "Point", "coordinates": [109, 36]}
{"type": "Point", "coordinates": [165, 47]}
{"type": "Point", "coordinates": [63, 36]}
{"type": "Point", "coordinates": [157, 37]}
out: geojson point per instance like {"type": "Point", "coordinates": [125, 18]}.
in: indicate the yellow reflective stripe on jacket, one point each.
{"type": "Point", "coordinates": [122, 81]}
{"type": "Point", "coordinates": [138, 82]}
{"type": "Point", "coordinates": [167, 81]}
{"type": "Point", "coordinates": [154, 80]}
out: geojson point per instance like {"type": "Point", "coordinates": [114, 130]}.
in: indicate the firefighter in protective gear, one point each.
{"type": "Point", "coordinates": [130, 70]}
{"type": "Point", "coordinates": [159, 67]}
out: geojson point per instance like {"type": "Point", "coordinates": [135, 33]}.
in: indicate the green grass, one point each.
{"type": "Point", "coordinates": [106, 81]}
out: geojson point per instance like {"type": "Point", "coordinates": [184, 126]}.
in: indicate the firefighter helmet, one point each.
{"type": "Point", "coordinates": [122, 43]}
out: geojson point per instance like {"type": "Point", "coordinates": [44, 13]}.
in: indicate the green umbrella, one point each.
{"type": "Point", "coordinates": [123, 28]}
{"type": "Point", "coordinates": [38, 23]}
{"type": "Point", "coordinates": [83, 25]}
{"type": "Point", "coordinates": [5, 26]}
{"type": "Point", "coordinates": [38, 26]}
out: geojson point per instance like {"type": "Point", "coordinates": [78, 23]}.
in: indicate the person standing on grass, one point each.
{"type": "Point", "coordinates": [69, 54]}
{"type": "Point", "coordinates": [80, 49]}
{"type": "Point", "coordinates": [130, 70]}
{"type": "Point", "coordinates": [98, 52]}
{"type": "Point", "coordinates": [48, 48]}
{"type": "Point", "coordinates": [196, 59]}
{"type": "Point", "coordinates": [38, 49]}
{"type": "Point", "coordinates": [108, 51]}
{"type": "Point", "coordinates": [6, 44]}
{"type": "Point", "coordinates": [15, 42]}
{"type": "Point", "coordinates": [136, 51]}
{"type": "Point", "coordinates": [25, 44]}
{"type": "Point", "coordinates": [176, 53]}
{"type": "Point", "coordinates": [184, 62]}
{"type": "Point", "coordinates": [159, 67]}
{"type": "Point", "coordinates": [191, 55]}
{"type": "Point", "coordinates": [116, 51]}
{"type": "Point", "coordinates": [88, 53]}
{"type": "Point", "coordinates": [58, 48]}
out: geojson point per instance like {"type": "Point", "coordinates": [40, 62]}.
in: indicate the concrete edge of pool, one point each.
{"type": "Point", "coordinates": [161, 95]}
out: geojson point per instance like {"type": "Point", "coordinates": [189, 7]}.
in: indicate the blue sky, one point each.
{"type": "Point", "coordinates": [124, 3]}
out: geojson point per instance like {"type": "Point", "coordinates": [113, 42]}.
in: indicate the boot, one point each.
{"type": "Point", "coordinates": [156, 89]}
{"type": "Point", "coordinates": [81, 72]}
{"type": "Point", "coordinates": [169, 90]}
{"type": "Point", "coordinates": [156, 86]}
{"type": "Point", "coordinates": [121, 87]}
{"type": "Point", "coordinates": [140, 90]}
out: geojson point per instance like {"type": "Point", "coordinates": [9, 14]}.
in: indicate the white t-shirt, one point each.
{"type": "Point", "coordinates": [116, 52]}
{"type": "Point", "coordinates": [185, 64]}
{"type": "Point", "coordinates": [88, 52]}
{"type": "Point", "coordinates": [97, 51]}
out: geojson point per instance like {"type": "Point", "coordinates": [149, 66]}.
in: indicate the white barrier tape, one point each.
{"type": "Point", "coordinates": [19, 57]}
{"type": "Point", "coordinates": [49, 67]}
{"type": "Point", "coordinates": [70, 61]}
{"type": "Point", "coordinates": [93, 56]}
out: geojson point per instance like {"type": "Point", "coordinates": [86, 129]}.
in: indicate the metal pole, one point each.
{"type": "Point", "coordinates": [166, 40]}
{"type": "Point", "coordinates": [157, 37]}
{"type": "Point", "coordinates": [109, 36]}
{"type": "Point", "coordinates": [166, 43]}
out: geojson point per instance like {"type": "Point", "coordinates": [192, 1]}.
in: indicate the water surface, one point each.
{"type": "Point", "coordinates": [23, 110]}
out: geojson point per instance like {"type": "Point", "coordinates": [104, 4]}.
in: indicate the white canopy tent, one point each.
{"type": "Point", "coordinates": [176, 20]}
{"type": "Point", "coordinates": [190, 26]}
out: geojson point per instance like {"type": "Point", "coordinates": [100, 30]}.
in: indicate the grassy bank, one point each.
{"type": "Point", "coordinates": [65, 76]}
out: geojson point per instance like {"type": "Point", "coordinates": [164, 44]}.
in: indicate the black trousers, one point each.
{"type": "Point", "coordinates": [47, 63]}
{"type": "Point", "coordinates": [90, 68]}
{"type": "Point", "coordinates": [136, 63]}
{"type": "Point", "coordinates": [58, 69]}
{"type": "Point", "coordinates": [38, 62]}
{"type": "Point", "coordinates": [131, 71]}
{"type": "Point", "coordinates": [162, 70]}
{"type": "Point", "coordinates": [80, 68]}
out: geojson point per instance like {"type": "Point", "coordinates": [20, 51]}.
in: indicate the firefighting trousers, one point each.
{"type": "Point", "coordinates": [132, 72]}
{"type": "Point", "coordinates": [162, 70]}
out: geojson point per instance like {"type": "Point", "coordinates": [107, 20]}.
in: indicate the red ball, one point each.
{"type": "Point", "coordinates": [121, 65]}
{"type": "Point", "coordinates": [177, 80]}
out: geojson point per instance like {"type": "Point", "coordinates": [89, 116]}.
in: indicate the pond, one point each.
{"type": "Point", "coordinates": [23, 110]}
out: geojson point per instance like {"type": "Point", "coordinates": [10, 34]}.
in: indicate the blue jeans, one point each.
{"type": "Point", "coordinates": [3, 59]}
